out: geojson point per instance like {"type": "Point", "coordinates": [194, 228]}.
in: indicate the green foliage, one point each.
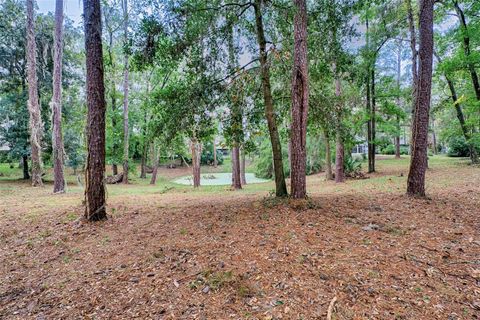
{"type": "Point", "coordinates": [352, 166]}
{"type": "Point", "coordinates": [390, 149]}
{"type": "Point", "coordinates": [207, 155]}
{"type": "Point", "coordinates": [458, 147]}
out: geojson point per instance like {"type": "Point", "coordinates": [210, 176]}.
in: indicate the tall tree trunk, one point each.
{"type": "Point", "coordinates": [413, 48]}
{"type": "Point", "coordinates": [372, 147]}
{"type": "Point", "coordinates": [236, 116]}
{"type": "Point", "coordinates": [399, 75]}
{"type": "Point", "coordinates": [26, 174]}
{"type": "Point", "coordinates": [298, 131]}
{"type": "Point", "coordinates": [196, 149]}
{"type": "Point", "coordinates": [236, 182]}
{"type": "Point", "coordinates": [371, 166]}
{"type": "Point", "coordinates": [460, 115]}
{"type": "Point", "coordinates": [339, 159]}
{"type": "Point", "coordinates": [340, 152]}
{"type": "Point", "coordinates": [215, 164]}
{"type": "Point", "coordinates": [243, 179]}
{"type": "Point", "coordinates": [57, 138]}
{"type": "Point", "coordinates": [155, 165]}
{"type": "Point", "coordinates": [466, 49]}
{"type": "Point", "coordinates": [113, 97]}
{"type": "Point", "coordinates": [434, 137]}
{"type": "Point", "coordinates": [328, 157]}
{"type": "Point", "coordinates": [125, 95]}
{"type": "Point", "coordinates": [36, 130]}
{"type": "Point", "coordinates": [280, 185]}
{"type": "Point", "coordinates": [95, 168]}
{"type": "Point", "coordinates": [143, 166]}
{"type": "Point", "coordinates": [418, 163]}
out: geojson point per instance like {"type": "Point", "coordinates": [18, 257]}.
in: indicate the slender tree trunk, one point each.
{"type": "Point", "coordinates": [434, 137]}
{"type": "Point", "coordinates": [243, 179]}
{"type": "Point", "coordinates": [143, 166]}
{"type": "Point", "coordinates": [371, 166]}
{"type": "Point", "coordinates": [113, 97]}
{"type": "Point", "coordinates": [36, 130]}
{"type": "Point", "coordinates": [418, 163]}
{"type": "Point", "coordinates": [399, 75]}
{"type": "Point", "coordinates": [280, 185]}
{"type": "Point", "coordinates": [466, 49]}
{"type": "Point", "coordinates": [339, 159]}
{"type": "Point", "coordinates": [26, 174]}
{"type": "Point", "coordinates": [236, 182]}
{"type": "Point", "coordinates": [95, 168]}
{"type": "Point", "coordinates": [298, 129]}
{"type": "Point", "coordinates": [196, 148]}
{"type": "Point", "coordinates": [215, 152]}
{"type": "Point", "coordinates": [340, 152]}
{"type": "Point", "coordinates": [155, 166]}
{"type": "Point", "coordinates": [328, 157]}
{"type": "Point", "coordinates": [460, 116]}
{"type": "Point", "coordinates": [125, 95]}
{"type": "Point", "coordinates": [413, 48]}
{"type": "Point", "coordinates": [57, 138]}
{"type": "Point", "coordinates": [372, 148]}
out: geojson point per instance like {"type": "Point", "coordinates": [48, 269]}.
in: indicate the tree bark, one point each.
{"type": "Point", "coordinates": [328, 157]}
{"type": "Point", "coordinates": [418, 163]}
{"type": "Point", "coordinates": [280, 185]}
{"type": "Point", "coordinates": [196, 149]}
{"type": "Point", "coordinates": [413, 48]}
{"type": "Point", "coordinates": [466, 49]}
{"type": "Point", "coordinates": [26, 174]}
{"type": "Point", "coordinates": [243, 179]}
{"type": "Point", "coordinates": [298, 130]}
{"type": "Point", "coordinates": [236, 182]}
{"type": "Point", "coordinates": [95, 166]}
{"type": "Point", "coordinates": [340, 152]}
{"type": "Point", "coordinates": [125, 94]}
{"type": "Point", "coordinates": [57, 137]}
{"type": "Point", "coordinates": [372, 147]}
{"type": "Point", "coordinates": [339, 158]}
{"type": "Point", "coordinates": [143, 171]}
{"type": "Point", "coordinates": [153, 180]}
{"type": "Point", "coordinates": [214, 152]}
{"type": "Point", "coordinates": [36, 130]}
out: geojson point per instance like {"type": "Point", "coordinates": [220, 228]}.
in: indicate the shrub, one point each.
{"type": "Point", "coordinates": [458, 147]}
{"type": "Point", "coordinates": [390, 149]}
{"type": "Point", "coordinates": [207, 155]}
{"type": "Point", "coordinates": [352, 165]}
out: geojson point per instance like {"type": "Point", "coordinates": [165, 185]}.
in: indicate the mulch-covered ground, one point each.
{"type": "Point", "coordinates": [379, 254]}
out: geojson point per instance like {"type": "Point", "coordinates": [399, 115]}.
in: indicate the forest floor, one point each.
{"type": "Point", "coordinates": [170, 252]}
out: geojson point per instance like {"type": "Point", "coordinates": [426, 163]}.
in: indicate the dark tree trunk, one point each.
{"type": "Point", "coordinates": [143, 169]}
{"type": "Point", "coordinates": [418, 163]}
{"type": "Point", "coordinates": [339, 167]}
{"type": "Point", "coordinates": [113, 97]}
{"type": "Point", "coordinates": [215, 164]}
{"type": "Point", "coordinates": [413, 48]}
{"type": "Point", "coordinates": [460, 116]}
{"type": "Point", "coordinates": [328, 157]}
{"type": "Point", "coordinates": [95, 166]}
{"type": "Point", "coordinates": [196, 148]}
{"type": "Point", "coordinates": [153, 180]}
{"type": "Point", "coordinates": [340, 152]}
{"type": "Point", "coordinates": [372, 146]}
{"type": "Point", "coordinates": [243, 179]}
{"type": "Point", "coordinates": [466, 49]}
{"type": "Point", "coordinates": [236, 182]}
{"type": "Point", "coordinates": [57, 138]}
{"type": "Point", "coordinates": [280, 185]}
{"type": "Point", "coordinates": [434, 137]}
{"type": "Point", "coordinates": [36, 130]}
{"type": "Point", "coordinates": [26, 174]}
{"type": "Point", "coordinates": [298, 131]}
{"type": "Point", "coordinates": [125, 95]}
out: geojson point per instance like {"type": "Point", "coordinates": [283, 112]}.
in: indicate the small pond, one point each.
{"type": "Point", "coordinates": [217, 179]}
